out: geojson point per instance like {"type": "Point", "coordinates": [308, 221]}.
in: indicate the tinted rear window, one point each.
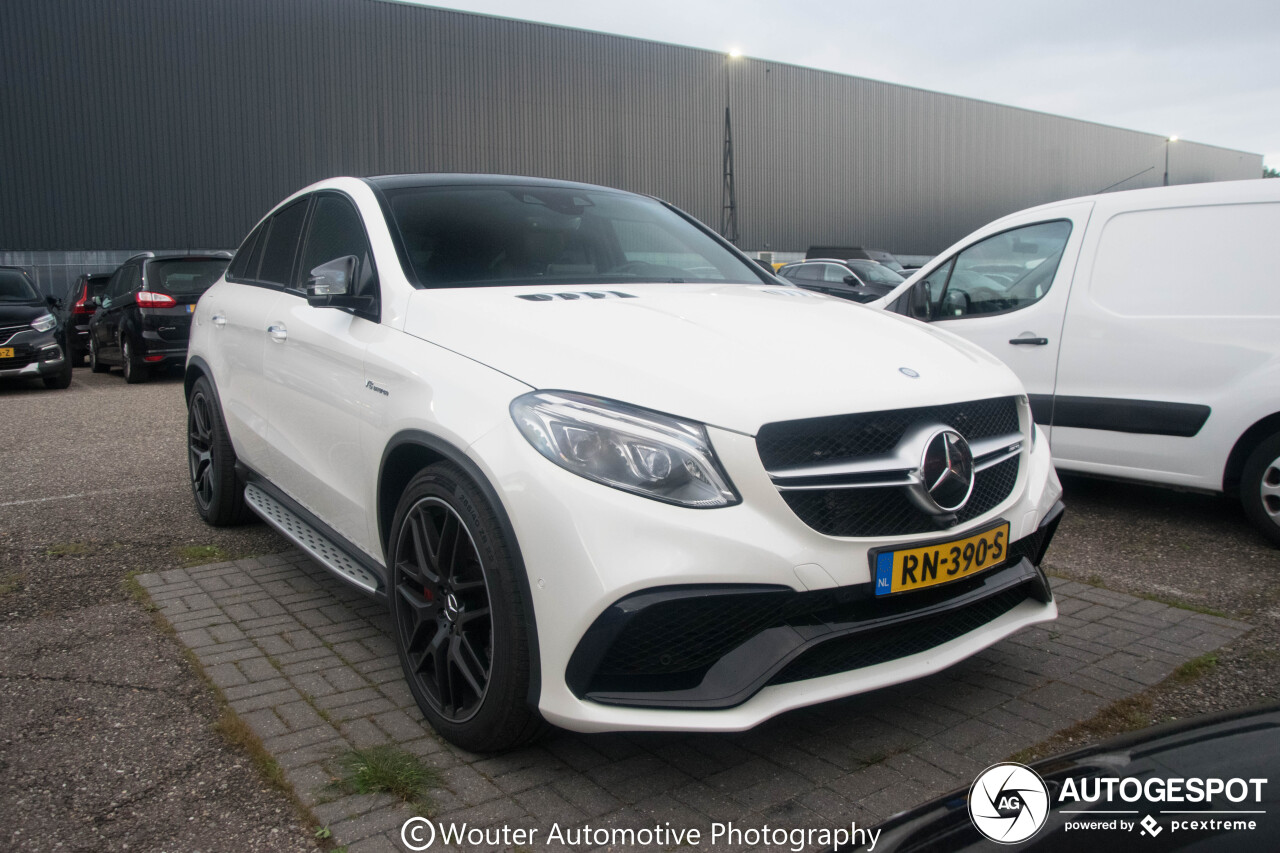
{"type": "Point", "coordinates": [184, 276]}
{"type": "Point", "coordinates": [505, 235]}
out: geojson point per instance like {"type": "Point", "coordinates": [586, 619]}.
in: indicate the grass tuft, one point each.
{"type": "Point", "coordinates": [239, 734]}
{"type": "Point", "coordinates": [391, 770]}
{"type": "Point", "coordinates": [1193, 669]}
{"type": "Point", "coordinates": [199, 555]}
{"type": "Point", "coordinates": [11, 583]}
{"type": "Point", "coordinates": [68, 549]}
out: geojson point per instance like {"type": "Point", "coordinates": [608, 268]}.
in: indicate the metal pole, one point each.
{"type": "Point", "coordinates": [728, 195]}
{"type": "Point", "coordinates": [1166, 162]}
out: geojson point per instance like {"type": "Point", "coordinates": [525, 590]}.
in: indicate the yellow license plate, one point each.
{"type": "Point", "coordinates": [6, 352]}
{"type": "Point", "coordinates": [942, 562]}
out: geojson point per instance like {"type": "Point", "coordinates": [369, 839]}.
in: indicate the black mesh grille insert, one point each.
{"type": "Point", "coordinates": [871, 647]}
{"type": "Point", "coordinates": [888, 511]}
{"type": "Point", "coordinates": [692, 634]}
{"type": "Point", "coordinates": [837, 437]}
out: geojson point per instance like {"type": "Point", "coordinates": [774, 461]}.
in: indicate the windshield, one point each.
{"type": "Point", "coordinates": [15, 287]}
{"type": "Point", "coordinates": [185, 276]}
{"type": "Point", "coordinates": [502, 235]}
{"type": "Point", "coordinates": [874, 273]}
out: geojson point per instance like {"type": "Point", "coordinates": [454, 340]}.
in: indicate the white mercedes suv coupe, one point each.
{"type": "Point", "coordinates": [605, 471]}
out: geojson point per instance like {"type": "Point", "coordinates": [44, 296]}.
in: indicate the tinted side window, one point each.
{"type": "Point", "coordinates": [281, 243]}
{"type": "Point", "coordinates": [809, 272]}
{"type": "Point", "coordinates": [126, 279]}
{"type": "Point", "coordinates": [240, 266]}
{"type": "Point", "coordinates": [335, 232]}
{"type": "Point", "coordinates": [833, 273]}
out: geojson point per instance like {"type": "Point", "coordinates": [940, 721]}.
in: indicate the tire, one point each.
{"type": "Point", "coordinates": [217, 491]}
{"type": "Point", "coordinates": [61, 379]}
{"type": "Point", "coordinates": [458, 616]}
{"type": "Point", "coordinates": [1260, 488]}
{"type": "Point", "coordinates": [131, 361]}
{"type": "Point", "coordinates": [96, 364]}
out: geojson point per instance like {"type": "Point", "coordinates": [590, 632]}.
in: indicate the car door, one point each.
{"type": "Point", "coordinates": [314, 364]}
{"type": "Point", "coordinates": [110, 316]}
{"type": "Point", "coordinates": [239, 315]}
{"type": "Point", "coordinates": [1007, 292]}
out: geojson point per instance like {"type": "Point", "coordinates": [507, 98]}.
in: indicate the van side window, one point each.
{"type": "Point", "coordinates": [1005, 272]}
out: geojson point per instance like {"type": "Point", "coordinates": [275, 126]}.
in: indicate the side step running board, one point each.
{"type": "Point", "coordinates": [319, 547]}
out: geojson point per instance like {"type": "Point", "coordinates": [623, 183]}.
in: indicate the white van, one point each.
{"type": "Point", "coordinates": [1144, 324]}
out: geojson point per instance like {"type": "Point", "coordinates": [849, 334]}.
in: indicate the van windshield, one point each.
{"type": "Point", "coordinates": [485, 236]}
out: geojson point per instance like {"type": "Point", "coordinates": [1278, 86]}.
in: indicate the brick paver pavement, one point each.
{"type": "Point", "coordinates": [310, 665]}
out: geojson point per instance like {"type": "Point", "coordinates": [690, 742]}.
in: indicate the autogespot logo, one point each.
{"type": "Point", "coordinates": [1008, 803]}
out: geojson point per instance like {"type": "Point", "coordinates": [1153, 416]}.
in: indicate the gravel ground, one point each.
{"type": "Point", "coordinates": [106, 734]}
{"type": "Point", "coordinates": [1183, 548]}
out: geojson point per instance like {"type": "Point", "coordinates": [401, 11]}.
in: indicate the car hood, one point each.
{"type": "Point", "coordinates": [733, 356]}
{"type": "Point", "coordinates": [18, 313]}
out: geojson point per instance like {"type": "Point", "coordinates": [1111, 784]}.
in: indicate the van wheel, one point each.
{"type": "Point", "coordinates": [457, 614]}
{"type": "Point", "coordinates": [1260, 488]}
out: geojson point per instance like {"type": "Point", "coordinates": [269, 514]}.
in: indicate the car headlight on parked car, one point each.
{"type": "Point", "coordinates": [626, 447]}
{"type": "Point", "coordinates": [44, 323]}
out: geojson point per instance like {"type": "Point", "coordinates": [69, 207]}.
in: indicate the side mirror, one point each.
{"type": "Point", "coordinates": [919, 299]}
{"type": "Point", "coordinates": [954, 304]}
{"type": "Point", "coordinates": [851, 279]}
{"type": "Point", "coordinates": [53, 302]}
{"type": "Point", "coordinates": [331, 279]}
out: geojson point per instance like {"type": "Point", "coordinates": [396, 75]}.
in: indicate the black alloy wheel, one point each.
{"type": "Point", "coordinates": [442, 608]}
{"type": "Point", "coordinates": [200, 449]}
{"type": "Point", "coordinates": [458, 613]}
{"type": "Point", "coordinates": [96, 364]}
{"type": "Point", "coordinates": [130, 362]}
{"type": "Point", "coordinates": [218, 491]}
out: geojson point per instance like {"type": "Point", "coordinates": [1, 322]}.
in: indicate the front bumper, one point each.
{"type": "Point", "coordinates": [46, 360]}
{"type": "Point", "coordinates": [711, 648]}
{"type": "Point", "coordinates": [591, 552]}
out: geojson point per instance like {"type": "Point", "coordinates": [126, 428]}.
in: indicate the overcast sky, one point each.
{"type": "Point", "coordinates": [1205, 71]}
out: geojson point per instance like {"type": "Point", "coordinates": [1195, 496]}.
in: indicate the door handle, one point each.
{"type": "Point", "coordinates": [1030, 342]}
{"type": "Point", "coordinates": [278, 332]}
{"type": "Point", "coordinates": [218, 319]}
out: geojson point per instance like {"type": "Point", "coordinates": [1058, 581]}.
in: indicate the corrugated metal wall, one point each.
{"type": "Point", "coordinates": [180, 122]}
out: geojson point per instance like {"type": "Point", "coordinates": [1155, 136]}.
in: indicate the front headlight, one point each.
{"type": "Point", "coordinates": [44, 323]}
{"type": "Point", "coordinates": [625, 447]}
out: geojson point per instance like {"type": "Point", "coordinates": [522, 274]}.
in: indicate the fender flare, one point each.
{"type": "Point", "coordinates": [451, 453]}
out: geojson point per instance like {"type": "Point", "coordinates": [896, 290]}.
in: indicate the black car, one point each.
{"type": "Point", "coordinates": [1205, 784]}
{"type": "Point", "coordinates": [854, 252]}
{"type": "Point", "coordinates": [77, 310]}
{"type": "Point", "coordinates": [143, 319]}
{"type": "Point", "coordinates": [855, 279]}
{"type": "Point", "coordinates": [29, 332]}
